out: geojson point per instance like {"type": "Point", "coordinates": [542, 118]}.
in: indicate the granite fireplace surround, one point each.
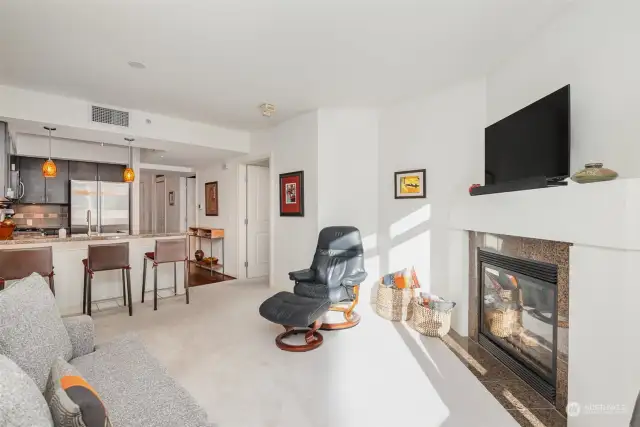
{"type": "Point", "coordinates": [537, 250]}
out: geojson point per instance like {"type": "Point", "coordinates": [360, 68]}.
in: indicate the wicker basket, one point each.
{"type": "Point", "coordinates": [502, 323]}
{"type": "Point", "coordinates": [393, 304]}
{"type": "Point", "coordinates": [431, 323]}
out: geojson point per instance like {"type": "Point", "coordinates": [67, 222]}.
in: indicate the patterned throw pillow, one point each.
{"type": "Point", "coordinates": [73, 402]}
{"type": "Point", "coordinates": [403, 279]}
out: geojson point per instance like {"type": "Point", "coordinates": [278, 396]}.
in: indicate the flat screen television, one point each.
{"type": "Point", "coordinates": [532, 142]}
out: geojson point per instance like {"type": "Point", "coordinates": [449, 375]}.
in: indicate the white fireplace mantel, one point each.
{"type": "Point", "coordinates": [604, 214]}
{"type": "Point", "coordinates": [602, 221]}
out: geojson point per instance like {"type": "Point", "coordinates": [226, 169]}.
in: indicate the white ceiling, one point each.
{"type": "Point", "coordinates": [216, 61]}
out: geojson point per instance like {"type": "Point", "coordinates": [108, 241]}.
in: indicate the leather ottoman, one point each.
{"type": "Point", "coordinates": [293, 311]}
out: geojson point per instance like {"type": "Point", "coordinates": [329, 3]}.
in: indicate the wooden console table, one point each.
{"type": "Point", "coordinates": [211, 234]}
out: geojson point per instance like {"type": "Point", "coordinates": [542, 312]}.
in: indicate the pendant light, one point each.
{"type": "Point", "coordinates": [49, 169]}
{"type": "Point", "coordinates": [129, 175]}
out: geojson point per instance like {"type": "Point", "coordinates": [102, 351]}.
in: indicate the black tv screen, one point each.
{"type": "Point", "coordinates": [532, 142]}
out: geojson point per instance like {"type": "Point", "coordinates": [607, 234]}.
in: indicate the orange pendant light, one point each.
{"type": "Point", "coordinates": [129, 175]}
{"type": "Point", "coordinates": [49, 169]}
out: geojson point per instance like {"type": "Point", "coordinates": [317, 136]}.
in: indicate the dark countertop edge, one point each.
{"type": "Point", "coordinates": [53, 239]}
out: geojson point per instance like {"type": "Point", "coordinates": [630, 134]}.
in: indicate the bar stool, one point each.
{"type": "Point", "coordinates": [113, 256]}
{"type": "Point", "coordinates": [19, 263]}
{"type": "Point", "coordinates": [174, 250]}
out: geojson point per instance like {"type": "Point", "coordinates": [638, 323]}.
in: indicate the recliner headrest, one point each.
{"type": "Point", "coordinates": [340, 238]}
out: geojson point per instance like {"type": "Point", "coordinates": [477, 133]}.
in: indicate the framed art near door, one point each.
{"type": "Point", "coordinates": [292, 194]}
{"type": "Point", "coordinates": [411, 184]}
{"type": "Point", "coordinates": [211, 198]}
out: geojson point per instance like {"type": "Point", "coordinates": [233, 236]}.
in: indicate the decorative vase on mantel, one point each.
{"type": "Point", "coordinates": [594, 172]}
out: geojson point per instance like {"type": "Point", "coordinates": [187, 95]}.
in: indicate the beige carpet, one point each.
{"type": "Point", "coordinates": [377, 374]}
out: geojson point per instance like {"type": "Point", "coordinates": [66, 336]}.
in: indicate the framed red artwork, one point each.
{"type": "Point", "coordinates": [211, 198]}
{"type": "Point", "coordinates": [292, 194]}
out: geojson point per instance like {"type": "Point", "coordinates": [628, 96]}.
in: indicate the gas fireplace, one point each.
{"type": "Point", "coordinates": [518, 316]}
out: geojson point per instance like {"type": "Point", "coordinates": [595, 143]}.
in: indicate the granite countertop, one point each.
{"type": "Point", "coordinates": [23, 240]}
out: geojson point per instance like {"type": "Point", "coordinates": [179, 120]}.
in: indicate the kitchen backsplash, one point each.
{"type": "Point", "coordinates": [41, 216]}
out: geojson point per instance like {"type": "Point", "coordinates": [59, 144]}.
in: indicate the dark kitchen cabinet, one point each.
{"type": "Point", "coordinates": [109, 172]}
{"type": "Point", "coordinates": [84, 171]}
{"type": "Point", "coordinates": [31, 177]}
{"type": "Point", "coordinates": [57, 189]}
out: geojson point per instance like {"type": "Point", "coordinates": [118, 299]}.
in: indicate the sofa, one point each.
{"type": "Point", "coordinates": [135, 389]}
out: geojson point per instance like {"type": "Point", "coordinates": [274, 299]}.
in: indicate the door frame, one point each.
{"type": "Point", "coordinates": [242, 212]}
{"type": "Point", "coordinates": [154, 201]}
{"type": "Point", "coordinates": [195, 199]}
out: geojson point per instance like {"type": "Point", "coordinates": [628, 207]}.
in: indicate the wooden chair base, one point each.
{"type": "Point", "coordinates": [312, 337]}
{"type": "Point", "coordinates": [349, 322]}
{"type": "Point", "coordinates": [351, 318]}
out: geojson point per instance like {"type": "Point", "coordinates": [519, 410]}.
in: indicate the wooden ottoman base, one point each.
{"type": "Point", "coordinates": [311, 336]}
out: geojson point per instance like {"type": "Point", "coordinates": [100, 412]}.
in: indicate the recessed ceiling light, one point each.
{"type": "Point", "coordinates": [137, 65]}
{"type": "Point", "coordinates": [161, 155]}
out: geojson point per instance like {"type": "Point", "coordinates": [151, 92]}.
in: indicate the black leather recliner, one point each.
{"type": "Point", "coordinates": [336, 273]}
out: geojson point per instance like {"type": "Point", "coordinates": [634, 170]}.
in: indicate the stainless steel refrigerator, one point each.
{"type": "Point", "coordinates": [103, 205]}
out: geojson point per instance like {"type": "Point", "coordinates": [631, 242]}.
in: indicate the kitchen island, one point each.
{"type": "Point", "coordinates": [69, 252]}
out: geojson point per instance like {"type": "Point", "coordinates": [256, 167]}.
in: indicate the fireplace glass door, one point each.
{"type": "Point", "coordinates": [518, 313]}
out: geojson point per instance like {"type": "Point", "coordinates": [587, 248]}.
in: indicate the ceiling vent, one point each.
{"type": "Point", "coordinates": [109, 116]}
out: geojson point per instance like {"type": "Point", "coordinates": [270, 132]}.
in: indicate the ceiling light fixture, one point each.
{"type": "Point", "coordinates": [137, 65]}
{"type": "Point", "coordinates": [49, 169]}
{"type": "Point", "coordinates": [129, 175]}
{"type": "Point", "coordinates": [267, 109]}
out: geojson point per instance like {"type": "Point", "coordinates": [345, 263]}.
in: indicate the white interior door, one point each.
{"type": "Point", "coordinates": [191, 202]}
{"type": "Point", "coordinates": [161, 207]}
{"type": "Point", "coordinates": [258, 221]}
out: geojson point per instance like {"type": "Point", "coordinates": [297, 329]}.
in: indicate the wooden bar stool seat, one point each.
{"type": "Point", "coordinates": [113, 256]}
{"type": "Point", "coordinates": [19, 263]}
{"type": "Point", "coordinates": [174, 251]}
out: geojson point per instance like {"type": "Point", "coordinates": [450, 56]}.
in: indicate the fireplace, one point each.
{"type": "Point", "coordinates": [518, 316]}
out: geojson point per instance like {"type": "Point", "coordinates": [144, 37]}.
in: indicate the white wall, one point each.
{"type": "Point", "coordinates": [443, 134]}
{"type": "Point", "coordinates": [70, 149]}
{"type": "Point", "coordinates": [604, 373]}
{"type": "Point", "coordinates": [291, 146]}
{"type": "Point", "coordinates": [591, 49]}
{"type": "Point", "coordinates": [296, 148]}
{"type": "Point", "coordinates": [348, 178]}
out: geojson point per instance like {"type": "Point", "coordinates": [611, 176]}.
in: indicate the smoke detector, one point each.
{"type": "Point", "coordinates": [267, 109]}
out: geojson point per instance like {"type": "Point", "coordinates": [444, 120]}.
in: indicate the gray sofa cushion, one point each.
{"type": "Point", "coordinates": [136, 389]}
{"type": "Point", "coordinates": [21, 403]}
{"type": "Point", "coordinates": [31, 331]}
{"type": "Point", "coordinates": [81, 333]}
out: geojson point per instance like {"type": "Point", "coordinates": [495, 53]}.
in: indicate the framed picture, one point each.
{"type": "Point", "coordinates": [292, 194]}
{"type": "Point", "coordinates": [172, 198]}
{"type": "Point", "coordinates": [211, 198]}
{"type": "Point", "coordinates": [411, 184]}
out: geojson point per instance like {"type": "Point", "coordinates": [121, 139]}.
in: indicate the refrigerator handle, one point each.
{"type": "Point", "coordinates": [99, 213]}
